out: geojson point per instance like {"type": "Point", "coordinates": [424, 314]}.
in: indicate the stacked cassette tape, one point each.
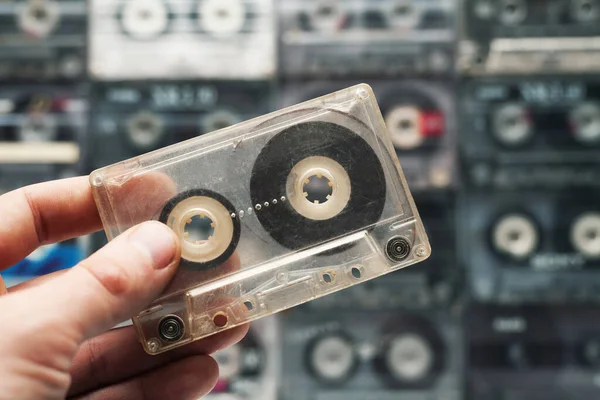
{"type": "Point", "coordinates": [528, 213]}
{"type": "Point", "coordinates": [169, 39]}
{"type": "Point", "coordinates": [534, 37]}
{"type": "Point", "coordinates": [42, 40]}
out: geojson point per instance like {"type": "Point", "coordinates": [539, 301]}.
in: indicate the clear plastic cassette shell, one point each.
{"type": "Point", "coordinates": [271, 244]}
{"type": "Point", "coordinates": [172, 39]}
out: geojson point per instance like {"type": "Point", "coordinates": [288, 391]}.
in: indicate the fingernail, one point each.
{"type": "Point", "coordinates": [157, 240]}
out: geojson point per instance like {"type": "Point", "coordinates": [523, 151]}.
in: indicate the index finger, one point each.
{"type": "Point", "coordinates": [59, 210]}
{"type": "Point", "coordinates": [45, 213]}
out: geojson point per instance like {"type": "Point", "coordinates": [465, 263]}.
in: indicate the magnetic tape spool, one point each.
{"type": "Point", "coordinates": [207, 225]}
{"type": "Point", "coordinates": [412, 353]}
{"type": "Point", "coordinates": [39, 18]}
{"type": "Point", "coordinates": [222, 18]}
{"type": "Point", "coordinates": [414, 119]}
{"type": "Point", "coordinates": [515, 235]}
{"type": "Point", "coordinates": [144, 19]}
{"type": "Point", "coordinates": [331, 177]}
{"type": "Point", "coordinates": [332, 358]}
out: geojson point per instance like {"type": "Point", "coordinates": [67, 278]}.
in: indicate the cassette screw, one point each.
{"type": "Point", "coordinates": [397, 248]}
{"type": "Point", "coordinates": [421, 251]}
{"type": "Point", "coordinates": [153, 345]}
{"type": "Point", "coordinates": [171, 328]}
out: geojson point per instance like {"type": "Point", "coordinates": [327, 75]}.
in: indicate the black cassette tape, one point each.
{"type": "Point", "coordinates": [420, 117]}
{"type": "Point", "coordinates": [42, 39]}
{"type": "Point", "coordinates": [530, 36]}
{"type": "Point", "coordinates": [532, 246]}
{"type": "Point", "coordinates": [129, 119]}
{"type": "Point", "coordinates": [377, 354]}
{"type": "Point", "coordinates": [189, 39]}
{"type": "Point", "coordinates": [287, 207]}
{"type": "Point", "coordinates": [533, 352]}
{"type": "Point", "coordinates": [322, 38]}
{"type": "Point", "coordinates": [519, 132]}
{"type": "Point", "coordinates": [42, 131]}
{"type": "Point", "coordinates": [249, 370]}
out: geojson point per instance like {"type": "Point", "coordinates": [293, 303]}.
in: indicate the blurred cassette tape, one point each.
{"type": "Point", "coordinates": [533, 352]}
{"type": "Point", "coordinates": [532, 246]}
{"type": "Point", "coordinates": [502, 37]}
{"type": "Point", "coordinates": [42, 128]}
{"type": "Point", "coordinates": [271, 213]}
{"type": "Point", "coordinates": [136, 117]}
{"type": "Point", "coordinates": [249, 370]}
{"type": "Point", "coordinates": [531, 132]}
{"type": "Point", "coordinates": [172, 39]}
{"type": "Point", "coordinates": [382, 354]}
{"type": "Point", "coordinates": [321, 38]}
{"type": "Point", "coordinates": [420, 117]}
{"type": "Point", "coordinates": [42, 39]}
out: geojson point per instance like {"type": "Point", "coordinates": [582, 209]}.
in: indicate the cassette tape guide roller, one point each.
{"type": "Point", "coordinates": [271, 213]}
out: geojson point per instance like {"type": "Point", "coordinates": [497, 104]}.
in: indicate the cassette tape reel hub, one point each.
{"type": "Point", "coordinates": [199, 249]}
{"type": "Point", "coordinates": [39, 18]}
{"type": "Point", "coordinates": [296, 205]}
{"type": "Point", "coordinates": [145, 131]}
{"type": "Point", "coordinates": [585, 234]}
{"type": "Point", "coordinates": [409, 358]}
{"type": "Point", "coordinates": [584, 120]}
{"type": "Point", "coordinates": [332, 359]}
{"type": "Point", "coordinates": [318, 188]}
{"type": "Point", "coordinates": [515, 235]}
{"type": "Point", "coordinates": [512, 126]}
{"type": "Point", "coordinates": [512, 12]}
{"type": "Point", "coordinates": [404, 123]}
{"type": "Point", "coordinates": [222, 17]}
{"type": "Point", "coordinates": [144, 19]}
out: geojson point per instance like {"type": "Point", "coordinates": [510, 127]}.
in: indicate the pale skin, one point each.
{"type": "Point", "coordinates": [55, 340]}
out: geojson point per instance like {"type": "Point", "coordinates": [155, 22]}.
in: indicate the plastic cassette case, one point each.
{"type": "Point", "coordinates": [271, 213]}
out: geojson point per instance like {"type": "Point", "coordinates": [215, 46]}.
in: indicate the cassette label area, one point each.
{"type": "Point", "coordinates": [531, 132]}
{"type": "Point", "coordinates": [42, 129]}
{"type": "Point", "coordinates": [133, 118]}
{"type": "Point", "coordinates": [529, 36]}
{"type": "Point", "coordinates": [162, 39]}
{"type": "Point", "coordinates": [368, 38]}
{"type": "Point", "coordinates": [360, 354]}
{"type": "Point", "coordinates": [42, 39]}
{"type": "Point", "coordinates": [532, 352]}
{"type": "Point", "coordinates": [532, 246]}
{"type": "Point", "coordinates": [271, 213]}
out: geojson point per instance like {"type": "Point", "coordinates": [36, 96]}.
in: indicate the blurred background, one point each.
{"type": "Point", "coordinates": [493, 107]}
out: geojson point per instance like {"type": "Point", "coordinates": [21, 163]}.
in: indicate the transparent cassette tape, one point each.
{"type": "Point", "coordinates": [271, 213]}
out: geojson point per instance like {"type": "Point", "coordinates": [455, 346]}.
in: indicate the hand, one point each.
{"type": "Point", "coordinates": [49, 327]}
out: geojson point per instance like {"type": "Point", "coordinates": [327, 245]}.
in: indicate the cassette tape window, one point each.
{"type": "Point", "coordinates": [271, 213]}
